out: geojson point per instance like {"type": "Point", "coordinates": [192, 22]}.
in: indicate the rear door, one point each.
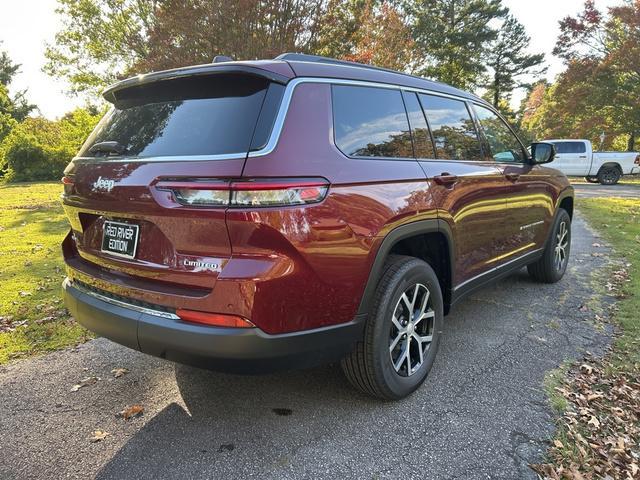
{"type": "Point", "coordinates": [467, 189]}
{"type": "Point", "coordinates": [571, 158]}
{"type": "Point", "coordinates": [138, 195]}
{"type": "Point", "coordinates": [528, 190]}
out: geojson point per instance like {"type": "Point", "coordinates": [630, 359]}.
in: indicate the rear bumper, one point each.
{"type": "Point", "coordinates": [235, 350]}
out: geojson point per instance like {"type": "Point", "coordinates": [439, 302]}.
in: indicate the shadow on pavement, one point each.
{"type": "Point", "coordinates": [229, 423]}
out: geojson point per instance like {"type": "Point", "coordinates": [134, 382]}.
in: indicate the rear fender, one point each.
{"type": "Point", "coordinates": [392, 238]}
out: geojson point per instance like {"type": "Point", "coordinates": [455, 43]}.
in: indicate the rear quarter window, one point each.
{"type": "Point", "coordinates": [206, 115]}
{"type": "Point", "coordinates": [370, 122]}
{"type": "Point", "coordinates": [570, 147]}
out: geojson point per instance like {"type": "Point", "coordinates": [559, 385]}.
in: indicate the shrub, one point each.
{"type": "Point", "coordinates": [40, 149]}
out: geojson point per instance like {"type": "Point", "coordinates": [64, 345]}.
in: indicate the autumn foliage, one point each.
{"type": "Point", "coordinates": [599, 91]}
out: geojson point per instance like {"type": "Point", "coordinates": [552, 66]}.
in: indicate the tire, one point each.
{"type": "Point", "coordinates": [592, 179]}
{"type": "Point", "coordinates": [370, 367]}
{"type": "Point", "coordinates": [553, 264]}
{"type": "Point", "coordinates": [609, 175]}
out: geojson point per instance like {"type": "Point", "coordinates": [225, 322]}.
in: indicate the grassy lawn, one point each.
{"type": "Point", "coordinates": [618, 220]}
{"type": "Point", "coordinates": [599, 399]}
{"type": "Point", "coordinates": [32, 317]}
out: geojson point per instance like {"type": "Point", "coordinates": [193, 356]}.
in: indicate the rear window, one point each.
{"type": "Point", "coordinates": [570, 147]}
{"type": "Point", "coordinates": [453, 130]}
{"type": "Point", "coordinates": [371, 122]}
{"type": "Point", "coordinates": [205, 115]}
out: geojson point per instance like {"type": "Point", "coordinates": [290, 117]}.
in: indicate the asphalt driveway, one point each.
{"type": "Point", "coordinates": [593, 190]}
{"type": "Point", "coordinates": [481, 414]}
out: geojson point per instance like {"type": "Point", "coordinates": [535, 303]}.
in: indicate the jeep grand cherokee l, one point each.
{"type": "Point", "coordinates": [250, 216]}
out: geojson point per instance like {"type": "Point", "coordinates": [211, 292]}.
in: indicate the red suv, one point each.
{"type": "Point", "coordinates": [250, 216]}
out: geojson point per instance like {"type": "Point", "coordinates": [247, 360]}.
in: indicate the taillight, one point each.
{"type": "Point", "coordinates": [637, 162]}
{"type": "Point", "coordinates": [68, 184]}
{"type": "Point", "coordinates": [213, 319]}
{"type": "Point", "coordinates": [247, 193]}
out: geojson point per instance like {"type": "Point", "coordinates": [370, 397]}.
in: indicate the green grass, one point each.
{"type": "Point", "coordinates": [618, 221]}
{"type": "Point", "coordinates": [32, 226]}
{"type": "Point", "coordinates": [554, 380]}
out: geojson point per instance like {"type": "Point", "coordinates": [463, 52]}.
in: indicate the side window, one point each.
{"type": "Point", "coordinates": [562, 147]}
{"type": "Point", "coordinates": [454, 132]}
{"type": "Point", "coordinates": [504, 145]}
{"type": "Point", "coordinates": [370, 122]}
{"type": "Point", "coordinates": [577, 147]}
{"type": "Point", "coordinates": [422, 143]}
{"type": "Point", "coordinates": [570, 147]}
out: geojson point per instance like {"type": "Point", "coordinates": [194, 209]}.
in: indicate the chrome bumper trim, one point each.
{"type": "Point", "coordinates": [119, 303]}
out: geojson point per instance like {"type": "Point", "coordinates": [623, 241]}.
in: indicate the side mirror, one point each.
{"type": "Point", "coordinates": [542, 152]}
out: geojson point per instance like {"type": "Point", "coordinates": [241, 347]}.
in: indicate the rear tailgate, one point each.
{"type": "Point", "coordinates": [179, 129]}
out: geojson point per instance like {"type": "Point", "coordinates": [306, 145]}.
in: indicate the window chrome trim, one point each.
{"type": "Point", "coordinates": [119, 303]}
{"type": "Point", "coordinates": [291, 86]}
{"type": "Point", "coordinates": [278, 124]}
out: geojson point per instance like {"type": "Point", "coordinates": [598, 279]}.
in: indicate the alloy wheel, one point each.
{"type": "Point", "coordinates": [562, 241]}
{"type": "Point", "coordinates": [411, 330]}
{"type": "Point", "coordinates": [610, 176]}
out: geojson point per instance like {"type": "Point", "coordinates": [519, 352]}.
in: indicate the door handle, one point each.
{"type": "Point", "coordinates": [583, 156]}
{"type": "Point", "coordinates": [512, 176]}
{"type": "Point", "coordinates": [445, 179]}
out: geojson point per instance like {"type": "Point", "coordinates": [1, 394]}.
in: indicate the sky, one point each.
{"type": "Point", "coordinates": [26, 26]}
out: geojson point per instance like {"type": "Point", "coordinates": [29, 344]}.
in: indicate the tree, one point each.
{"type": "Point", "coordinates": [12, 109]}
{"type": "Point", "coordinates": [17, 107]}
{"type": "Point", "coordinates": [194, 31]}
{"type": "Point", "coordinates": [8, 69]}
{"type": "Point", "coordinates": [40, 149]}
{"type": "Point", "coordinates": [105, 40]}
{"type": "Point", "coordinates": [509, 61]}
{"type": "Point", "coordinates": [339, 28]}
{"type": "Point", "coordinates": [100, 42]}
{"type": "Point", "coordinates": [452, 36]}
{"type": "Point", "coordinates": [603, 67]}
{"type": "Point", "coordinates": [367, 32]}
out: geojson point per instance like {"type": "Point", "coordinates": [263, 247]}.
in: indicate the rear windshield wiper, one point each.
{"type": "Point", "coordinates": [108, 148]}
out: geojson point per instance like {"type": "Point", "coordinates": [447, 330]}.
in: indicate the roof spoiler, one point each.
{"type": "Point", "coordinates": [219, 68]}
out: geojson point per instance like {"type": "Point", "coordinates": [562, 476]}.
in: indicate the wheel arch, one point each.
{"type": "Point", "coordinates": [429, 240]}
{"type": "Point", "coordinates": [615, 165]}
{"type": "Point", "coordinates": [567, 204]}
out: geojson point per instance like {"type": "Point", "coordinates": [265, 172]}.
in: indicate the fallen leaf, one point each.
{"type": "Point", "coordinates": [98, 435]}
{"type": "Point", "coordinates": [588, 369]}
{"type": "Point", "coordinates": [132, 411]}
{"type": "Point", "coordinates": [84, 383]}
{"type": "Point", "coordinates": [119, 372]}
{"type": "Point", "coordinates": [558, 443]}
{"type": "Point", "coordinates": [594, 421]}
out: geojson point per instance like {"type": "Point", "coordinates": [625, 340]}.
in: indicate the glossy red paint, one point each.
{"type": "Point", "coordinates": [296, 268]}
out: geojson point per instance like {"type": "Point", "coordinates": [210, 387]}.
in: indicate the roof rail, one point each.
{"type": "Point", "coordinates": [221, 59]}
{"type": "Point", "coordinates": [304, 57]}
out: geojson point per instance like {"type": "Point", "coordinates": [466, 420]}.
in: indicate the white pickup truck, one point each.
{"type": "Point", "coordinates": [577, 158]}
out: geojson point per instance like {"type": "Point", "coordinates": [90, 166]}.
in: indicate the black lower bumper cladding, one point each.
{"type": "Point", "coordinates": [234, 350]}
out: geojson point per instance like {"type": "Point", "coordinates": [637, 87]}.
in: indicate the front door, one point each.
{"type": "Point", "coordinates": [528, 192]}
{"type": "Point", "coordinates": [571, 158]}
